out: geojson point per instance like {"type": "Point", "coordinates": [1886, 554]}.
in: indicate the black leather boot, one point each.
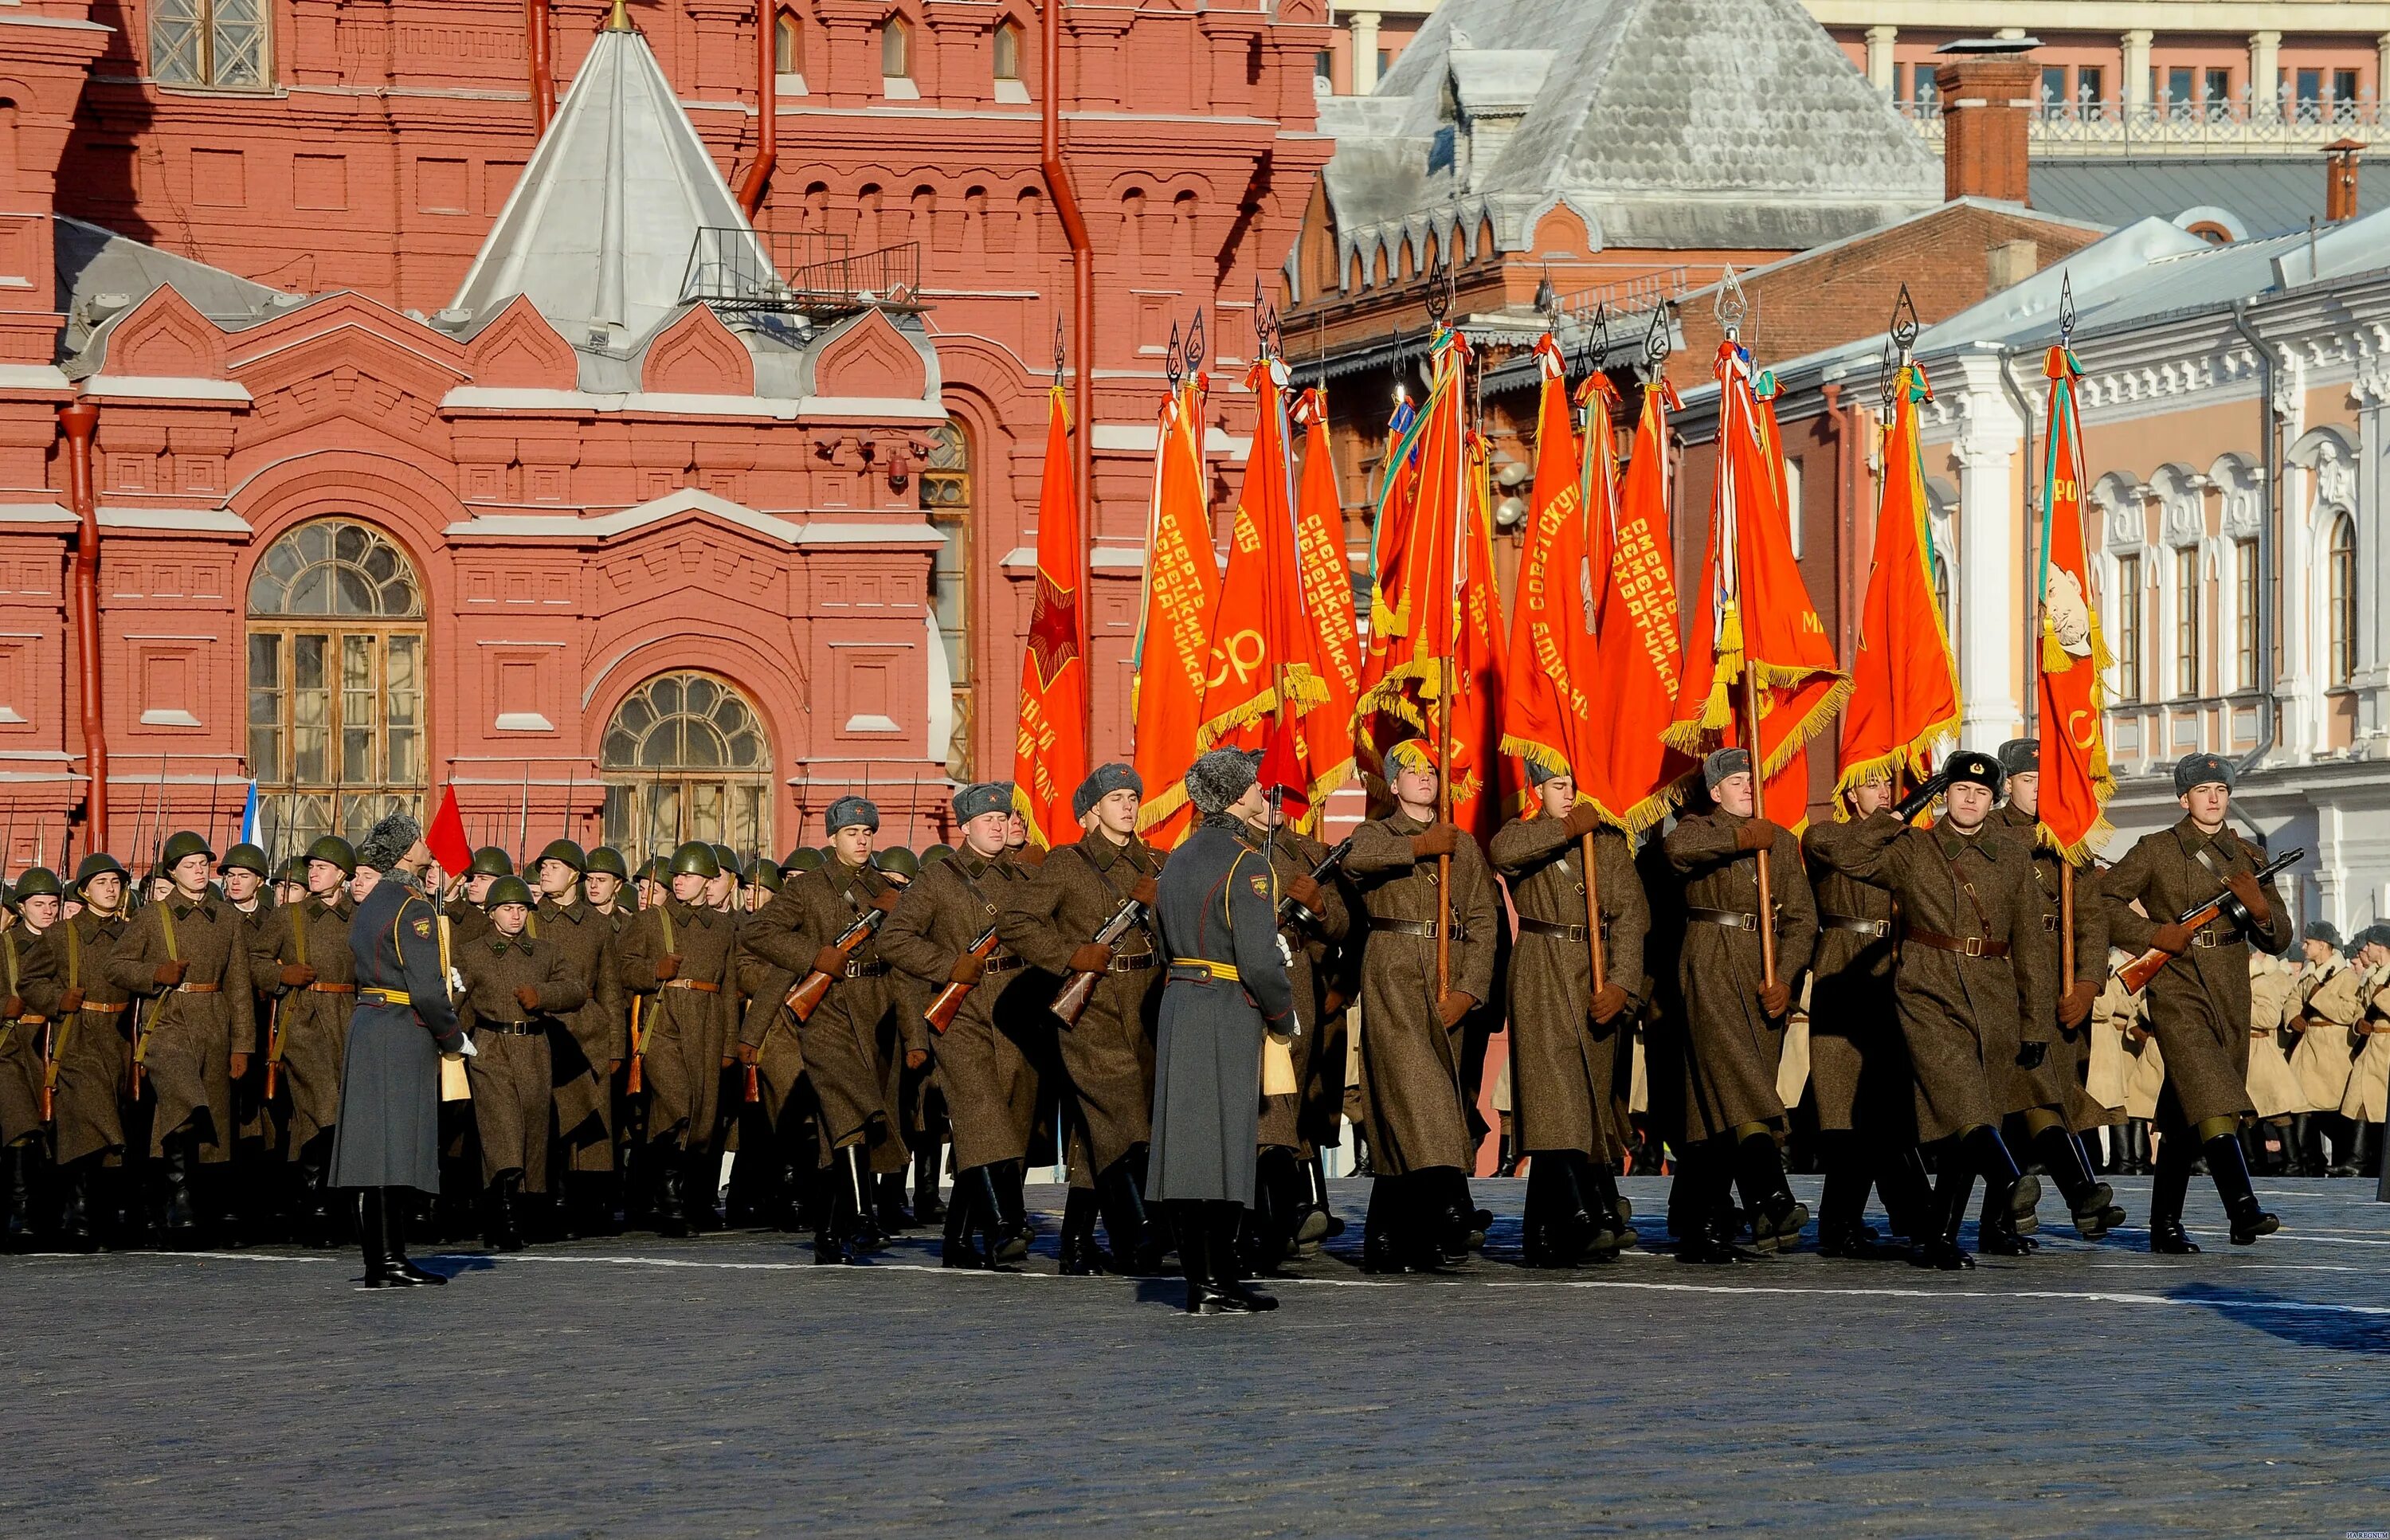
{"type": "Point", "coordinates": [1137, 1245]}
{"type": "Point", "coordinates": [1222, 1220]}
{"type": "Point", "coordinates": [397, 1207]}
{"type": "Point", "coordinates": [78, 1226]}
{"type": "Point", "coordinates": [2019, 1195]}
{"type": "Point", "coordinates": [1777, 1217]}
{"type": "Point", "coordinates": [670, 1213]}
{"type": "Point", "coordinates": [1080, 1256]}
{"type": "Point", "coordinates": [2091, 1200]}
{"type": "Point", "coordinates": [964, 1222]}
{"type": "Point", "coordinates": [2229, 1166]}
{"type": "Point", "coordinates": [1013, 1230]}
{"type": "Point", "coordinates": [1385, 1239]}
{"type": "Point", "coordinates": [1703, 1203]}
{"type": "Point", "coordinates": [1614, 1226]}
{"type": "Point", "coordinates": [2306, 1153]}
{"type": "Point", "coordinates": [178, 1220]}
{"type": "Point", "coordinates": [834, 1213]}
{"type": "Point", "coordinates": [701, 1184]}
{"type": "Point", "coordinates": [2135, 1160]}
{"type": "Point", "coordinates": [505, 1203]}
{"type": "Point", "coordinates": [2168, 1187]}
{"type": "Point", "coordinates": [1188, 1221]}
{"type": "Point", "coordinates": [1556, 1228]}
{"type": "Point", "coordinates": [373, 1239]}
{"type": "Point", "coordinates": [888, 1201]}
{"type": "Point", "coordinates": [1843, 1229]}
{"type": "Point", "coordinates": [1907, 1191]}
{"type": "Point", "coordinates": [1278, 1201]}
{"type": "Point", "coordinates": [1941, 1249]}
{"type": "Point", "coordinates": [928, 1208]}
{"type": "Point", "coordinates": [1335, 1226]}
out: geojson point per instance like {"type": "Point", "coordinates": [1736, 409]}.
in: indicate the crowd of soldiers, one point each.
{"type": "Point", "coordinates": [888, 1039]}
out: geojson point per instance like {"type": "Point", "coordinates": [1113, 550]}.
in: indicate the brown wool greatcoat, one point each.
{"type": "Point", "coordinates": [2199, 1003]}
{"type": "Point", "coordinates": [313, 1019]}
{"type": "Point", "coordinates": [27, 970]}
{"type": "Point", "coordinates": [847, 1043]}
{"type": "Point", "coordinates": [1963, 1017]}
{"type": "Point", "coordinates": [1312, 946]}
{"type": "Point", "coordinates": [1564, 1067]}
{"type": "Point", "coordinates": [2368, 1096]}
{"type": "Point", "coordinates": [689, 1021]}
{"type": "Point", "coordinates": [1731, 1045]}
{"type": "Point", "coordinates": [1411, 1063]}
{"type": "Point", "coordinates": [990, 1089]}
{"type": "Point", "coordinates": [1108, 1055]}
{"type": "Point", "coordinates": [2273, 1089]}
{"type": "Point", "coordinates": [2057, 1083]}
{"type": "Point", "coordinates": [89, 1044]}
{"type": "Point", "coordinates": [2327, 1004]}
{"type": "Point", "coordinates": [196, 1030]}
{"type": "Point", "coordinates": [1859, 1069]}
{"type": "Point", "coordinates": [766, 1025]}
{"type": "Point", "coordinates": [513, 1073]}
{"type": "Point", "coordinates": [590, 1038]}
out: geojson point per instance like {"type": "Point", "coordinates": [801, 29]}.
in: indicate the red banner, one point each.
{"type": "Point", "coordinates": [1637, 644]}
{"type": "Point", "coordinates": [1049, 752]}
{"type": "Point", "coordinates": [2076, 780]}
{"type": "Point", "coordinates": [1548, 714]}
{"type": "Point", "coordinates": [1327, 579]}
{"type": "Point", "coordinates": [1174, 632]}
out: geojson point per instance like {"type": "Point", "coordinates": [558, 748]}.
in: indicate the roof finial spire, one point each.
{"type": "Point", "coordinates": [621, 21]}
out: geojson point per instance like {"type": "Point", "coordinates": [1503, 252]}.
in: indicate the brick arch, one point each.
{"type": "Point", "coordinates": [698, 355]}
{"type": "Point", "coordinates": [657, 636]}
{"type": "Point", "coordinates": [871, 358]}
{"type": "Point", "coordinates": [520, 349]}
{"type": "Point", "coordinates": [165, 335]}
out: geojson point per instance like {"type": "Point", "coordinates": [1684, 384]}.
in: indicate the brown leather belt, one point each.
{"type": "Point", "coordinates": [196, 989]}
{"type": "Point", "coordinates": [1425, 928]}
{"type": "Point", "coordinates": [100, 1008]}
{"type": "Point", "coordinates": [509, 1029]}
{"type": "Point", "coordinates": [1876, 928]}
{"type": "Point", "coordinates": [331, 989]}
{"type": "Point", "coordinates": [1966, 946]}
{"type": "Point", "coordinates": [2209, 938]}
{"type": "Point", "coordinates": [2049, 923]}
{"type": "Point", "coordinates": [1733, 919]}
{"type": "Point", "coordinates": [865, 971]}
{"type": "Point", "coordinates": [698, 984]}
{"type": "Point", "coordinates": [1532, 927]}
{"type": "Point", "coordinates": [1004, 965]}
{"type": "Point", "coordinates": [1136, 964]}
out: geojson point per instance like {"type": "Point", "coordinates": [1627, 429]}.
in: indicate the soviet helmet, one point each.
{"type": "Point", "coordinates": [764, 875]}
{"type": "Point", "coordinates": [35, 882]}
{"type": "Point", "coordinates": [566, 851]}
{"type": "Point", "coordinates": [725, 859]}
{"type": "Point", "coordinates": [181, 846]}
{"type": "Point", "coordinates": [696, 859]}
{"type": "Point", "coordinates": [607, 860]}
{"type": "Point", "coordinates": [508, 890]}
{"type": "Point", "coordinates": [245, 857]}
{"type": "Point", "coordinates": [935, 854]}
{"type": "Point", "coordinates": [804, 858]}
{"type": "Point", "coordinates": [98, 864]}
{"type": "Point", "coordinates": [898, 862]}
{"type": "Point", "coordinates": [335, 851]}
{"type": "Point", "coordinates": [490, 861]}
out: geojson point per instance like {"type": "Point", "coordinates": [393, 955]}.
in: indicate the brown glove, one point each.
{"type": "Point", "coordinates": [1333, 1003]}
{"type": "Point", "coordinates": [1758, 834]}
{"type": "Point", "coordinates": [915, 1057]}
{"type": "Point", "coordinates": [527, 997]}
{"type": "Point", "coordinates": [1304, 891]}
{"type": "Point", "coordinates": [747, 1053]}
{"type": "Point", "coordinates": [1456, 1004]}
{"type": "Point", "coordinates": [169, 972]}
{"type": "Point", "coordinates": [2253, 897]}
{"type": "Point", "coordinates": [1581, 821]}
{"type": "Point", "coordinates": [12, 1008]}
{"type": "Point", "coordinates": [1146, 891]}
{"type": "Point", "coordinates": [885, 900]}
{"type": "Point", "coordinates": [968, 969]}
{"type": "Point", "coordinates": [668, 966]}
{"type": "Point", "coordinates": [297, 975]}
{"type": "Point", "coordinates": [1093, 958]}
{"type": "Point", "coordinates": [1434, 841]}
{"type": "Point", "coordinates": [238, 1067]}
{"type": "Point", "coordinates": [2074, 1007]}
{"type": "Point", "coordinates": [1775, 998]}
{"type": "Point", "coordinates": [1608, 1001]}
{"type": "Point", "coordinates": [70, 1001]}
{"type": "Point", "coordinates": [2172, 938]}
{"type": "Point", "coordinates": [830, 959]}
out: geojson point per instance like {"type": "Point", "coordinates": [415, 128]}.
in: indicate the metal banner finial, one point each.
{"type": "Point", "coordinates": [1731, 305]}
{"type": "Point", "coordinates": [1195, 358]}
{"type": "Point", "coordinates": [1172, 364]}
{"type": "Point", "coordinates": [2065, 306]}
{"type": "Point", "coordinates": [1439, 294]}
{"type": "Point", "coordinates": [1060, 359]}
{"type": "Point", "coordinates": [1657, 344]}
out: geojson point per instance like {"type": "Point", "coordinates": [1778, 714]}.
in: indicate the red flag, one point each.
{"type": "Point", "coordinates": [1390, 526]}
{"type": "Point", "coordinates": [1327, 577]}
{"type": "Point", "coordinates": [1904, 682]}
{"type": "Point", "coordinates": [1174, 633]}
{"type": "Point", "coordinates": [1263, 643]}
{"type": "Point", "coordinates": [1480, 790]}
{"type": "Point", "coordinates": [446, 838]}
{"type": "Point", "coordinates": [1548, 713]}
{"type": "Point", "coordinates": [2076, 780]}
{"type": "Point", "coordinates": [1637, 644]}
{"type": "Point", "coordinates": [1050, 752]}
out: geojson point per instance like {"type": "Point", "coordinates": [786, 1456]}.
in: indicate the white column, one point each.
{"type": "Point", "coordinates": [2135, 85]}
{"type": "Point", "coordinates": [2265, 63]}
{"type": "Point", "coordinates": [1363, 29]}
{"type": "Point", "coordinates": [1878, 66]}
{"type": "Point", "coordinates": [2373, 557]}
{"type": "Point", "coordinates": [1991, 554]}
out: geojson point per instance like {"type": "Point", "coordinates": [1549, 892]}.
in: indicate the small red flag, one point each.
{"type": "Point", "coordinates": [1049, 752]}
{"type": "Point", "coordinates": [446, 838]}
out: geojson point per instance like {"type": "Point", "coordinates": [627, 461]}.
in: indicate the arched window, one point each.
{"type": "Point", "coordinates": [335, 683]}
{"type": "Point", "coordinates": [788, 44]}
{"type": "Point", "coordinates": [947, 500]}
{"type": "Point", "coordinates": [1008, 52]}
{"type": "Point", "coordinates": [895, 50]}
{"type": "Point", "coordinates": [685, 758]}
{"type": "Point", "coordinates": [2341, 553]}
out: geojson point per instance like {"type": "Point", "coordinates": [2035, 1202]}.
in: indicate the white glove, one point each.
{"type": "Point", "coordinates": [469, 1051]}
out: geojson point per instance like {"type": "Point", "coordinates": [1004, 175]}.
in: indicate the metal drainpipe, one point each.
{"type": "Point", "coordinates": [1083, 299]}
{"type": "Point", "coordinates": [78, 420]}
{"type": "Point", "coordinates": [768, 97]}
{"type": "Point", "coordinates": [2033, 517]}
{"type": "Point", "coordinates": [542, 71]}
{"type": "Point", "coordinates": [2271, 426]}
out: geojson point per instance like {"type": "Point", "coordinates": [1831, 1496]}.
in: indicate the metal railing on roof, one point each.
{"type": "Point", "coordinates": [2215, 125]}
{"type": "Point", "coordinates": [808, 271]}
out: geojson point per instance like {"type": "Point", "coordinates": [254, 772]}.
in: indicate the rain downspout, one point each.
{"type": "Point", "coordinates": [768, 99]}
{"type": "Point", "coordinates": [542, 68]}
{"type": "Point", "coordinates": [78, 420]}
{"type": "Point", "coordinates": [1083, 297]}
{"type": "Point", "coordinates": [2271, 426]}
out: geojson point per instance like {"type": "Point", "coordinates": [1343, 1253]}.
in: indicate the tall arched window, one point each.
{"type": "Point", "coordinates": [335, 683]}
{"type": "Point", "coordinates": [788, 44]}
{"type": "Point", "coordinates": [685, 758]}
{"type": "Point", "coordinates": [895, 50]}
{"type": "Point", "coordinates": [2341, 553]}
{"type": "Point", "coordinates": [946, 499]}
{"type": "Point", "coordinates": [1008, 52]}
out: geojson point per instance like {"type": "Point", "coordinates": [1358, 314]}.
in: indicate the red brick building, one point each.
{"type": "Point", "coordinates": [428, 449]}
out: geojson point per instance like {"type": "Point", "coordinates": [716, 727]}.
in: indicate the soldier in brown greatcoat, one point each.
{"type": "Point", "coordinates": [1566, 1036]}
{"type": "Point", "coordinates": [28, 980]}
{"type": "Point", "coordinates": [1287, 1212]}
{"type": "Point", "coordinates": [466, 917]}
{"type": "Point", "coordinates": [589, 1044]}
{"type": "Point", "coordinates": [2045, 1102]}
{"type": "Point", "coordinates": [1421, 1151]}
{"type": "Point", "coordinates": [2199, 1001]}
{"type": "Point", "coordinates": [1733, 1023]}
{"type": "Point", "coordinates": [88, 1050]}
{"type": "Point", "coordinates": [1051, 922]}
{"type": "Point", "coordinates": [768, 1045]}
{"type": "Point", "coordinates": [2326, 1005]}
{"type": "Point", "coordinates": [188, 953]}
{"type": "Point", "coordinates": [301, 960]}
{"type": "Point", "coordinates": [2365, 1103]}
{"type": "Point", "coordinates": [990, 1089]}
{"type": "Point", "coordinates": [847, 1040]}
{"type": "Point", "coordinates": [1976, 981]}
{"type": "Point", "coordinates": [678, 957]}
{"type": "Point", "coordinates": [520, 992]}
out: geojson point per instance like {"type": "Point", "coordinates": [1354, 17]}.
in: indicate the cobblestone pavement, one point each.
{"type": "Point", "coordinates": [724, 1387]}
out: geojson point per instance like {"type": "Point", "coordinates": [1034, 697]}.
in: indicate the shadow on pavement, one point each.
{"type": "Point", "coordinates": [2299, 1322]}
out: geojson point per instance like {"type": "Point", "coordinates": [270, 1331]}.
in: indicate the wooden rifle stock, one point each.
{"type": "Point", "coordinates": [1288, 909]}
{"type": "Point", "coordinates": [2137, 973]}
{"type": "Point", "coordinates": [811, 990]}
{"type": "Point", "coordinates": [631, 1078]}
{"type": "Point", "coordinates": [1071, 1000]}
{"type": "Point", "coordinates": [950, 1001]}
{"type": "Point", "coordinates": [273, 1049]}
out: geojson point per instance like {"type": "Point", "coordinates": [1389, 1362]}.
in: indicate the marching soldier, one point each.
{"type": "Point", "coordinates": [1051, 921]}
{"type": "Point", "coordinates": [1566, 1036]}
{"type": "Point", "coordinates": [990, 1090]}
{"type": "Point", "coordinates": [845, 1042]}
{"type": "Point", "coordinates": [2367, 1103]}
{"type": "Point", "coordinates": [255, 1195]}
{"type": "Point", "coordinates": [2273, 1089]}
{"type": "Point", "coordinates": [1216, 906]}
{"type": "Point", "coordinates": [28, 977]}
{"type": "Point", "coordinates": [1976, 981]}
{"type": "Point", "coordinates": [520, 992]}
{"type": "Point", "coordinates": [2045, 1097]}
{"type": "Point", "coordinates": [301, 958]}
{"type": "Point", "coordinates": [291, 885]}
{"type": "Point", "coordinates": [1287, 1213]}
{"type": "Point", "coordinates": [1421, 1151]}
{"type": "Point", "coordinates": [188, 953]}
{"type": "Point", "coordinates": [88, 1046]}
{"type": "Point", "coordinates": [678, 957]}
{"type": "Point", "coordinates": [2198, 1002]}
{"type": "Point", "coordinates": [466, 916]}
{"type": "Point", "coordinates": [1733, 1037]}
{"type": "Point", "coordinates": [589, 1046]}
{"type": "Point", "coordinates": [2326, 1008]}
{"type": "Point", "coordinates": [783, 1128]}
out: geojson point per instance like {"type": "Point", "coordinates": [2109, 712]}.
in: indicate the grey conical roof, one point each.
{"type": "Point", "coordinates": [599, 230]}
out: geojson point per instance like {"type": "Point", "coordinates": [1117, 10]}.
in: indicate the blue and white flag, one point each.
{"type": "Point", "coordinates": [248, 817]}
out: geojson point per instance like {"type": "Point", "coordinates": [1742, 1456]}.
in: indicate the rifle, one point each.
{"type": "Point", "coordinates": [631, 1078]}
{"type": "Point", "coordinates": [811, 990]}
{"type": "Point", "coordinates": [273, 1018]}
{"type": "Point", "coordinates": [2137, 973]}
{"type": "Point", "coordinates": [1071, 1000]}
{"type": "Point", "coordinates": [943, 1009]}
{"type": "Point", "coordinates": [1289, 911]}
